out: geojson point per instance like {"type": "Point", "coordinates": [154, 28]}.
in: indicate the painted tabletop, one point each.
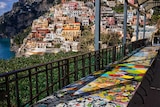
{"type": "Point", "coordinates": [112, 87]}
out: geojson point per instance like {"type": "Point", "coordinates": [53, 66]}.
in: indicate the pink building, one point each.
{"type": "Point", "coordinates": [111, 20]}
{"type": "Point", "coordinates": [134, 21]}
{"type": "Point", "coordinates": [39, 33]}
{"type": "Point", "coordinates": [70, 5]}
{"type": "Point", "coordinates": [131, 1]}
{"type": "Point", "coordinates": [73, 5]}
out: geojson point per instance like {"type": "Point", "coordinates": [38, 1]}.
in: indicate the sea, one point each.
{"type": "Point", "coordinates": [5, 52]}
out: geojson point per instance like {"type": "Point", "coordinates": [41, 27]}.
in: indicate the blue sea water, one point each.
{"type": "Point", "coordinates": [5, 52]}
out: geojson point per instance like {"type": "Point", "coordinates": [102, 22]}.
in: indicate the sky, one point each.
{"type": "Point", "coordinates": [6, 5]}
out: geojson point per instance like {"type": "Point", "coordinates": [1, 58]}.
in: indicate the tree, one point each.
{"type": "Point", "coordinates": [110, 39]}
{"type": "Point", "coordinates": [118, 8]}
{"type": "Point", "coordinates": [18, 39]}
{"type": "Point", "coordinates": [158, 24]}
{"type": "Point", "coordinates": [154, 19]}
{"type": "Point", "coordinates": [86, 41]}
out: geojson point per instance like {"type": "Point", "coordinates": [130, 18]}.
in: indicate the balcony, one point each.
{"type": "Point", "coordinates": [28, 86]}
{"type": "Point", "coordinates": [88, 79]}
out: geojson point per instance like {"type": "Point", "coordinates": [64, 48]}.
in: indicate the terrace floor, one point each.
{"type": "Point", "coordinates": [111, 87]}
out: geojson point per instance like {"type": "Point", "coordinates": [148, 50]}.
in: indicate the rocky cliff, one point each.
{"type": "Point", "coordinates": [22, 14]}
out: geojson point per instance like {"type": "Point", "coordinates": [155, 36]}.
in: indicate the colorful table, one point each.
{"type": "Point", "coordinates": [107, 88]}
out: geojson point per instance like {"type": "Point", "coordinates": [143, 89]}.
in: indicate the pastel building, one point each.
{"type": "Point", "coordinates": [43, 45]}
{"type": "Point", "coordinates": [119, 18]}
{"type": "Point", "coordinates": [58, 40]}
{"type": "Point", "coordinates": [134, 20]}
{"type": "Point", "coordinates": [111, 20]}
{"type": "Point", "coordinates": [106, 11]}
{"type": "Point", "coordinates": [66, 46]}
{"type": "Point", "coordinates": [130, 15]}
{"type": "Point", "coordinates": [75, 13]}
{"type": "Point", "coordinates": [75, 46]}
{"type": "Point", "coordinates": [58, 12]}
{"type": "Point", "coordinates": [40, 23]}
{"type": "Point", "coordinates": [111, 3]}
{"type": "Point", "coordinates": [49, 37]}
{"type": "Point", "coordinates": [71, 5]}
{"type": "Point", "coordinates": [85, 21]}
{"type": "Point", "coordinates": [51, 27]}
{"type": "Point", "coordinates": [131, 1]}
{"type": "Point", "coordinates": [71, 31]}
{"type": "Point", "coordinates": [70, 46]}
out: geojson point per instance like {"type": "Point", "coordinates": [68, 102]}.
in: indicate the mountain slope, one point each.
{"type": "Point", "coordinates": [22, 15]}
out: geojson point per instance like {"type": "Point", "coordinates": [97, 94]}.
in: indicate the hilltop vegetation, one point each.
{"type": "Point", "coordinates": [24, 62]}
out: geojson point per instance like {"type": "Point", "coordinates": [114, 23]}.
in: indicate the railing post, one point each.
{"type": "Point", "coordinates": [97, 60]}
{"type": "Point", "coordinates": [30, 85]}
{"type": "Point", "coordinates": [113, 53]}
{"type": "Point", "coordinates": [67, 71]}
{"type": "Point", "coordinates": [109, 54]}
{"type": "Point", "coordinates": [37, 89]}
{"type": "Point", "coordinates": [90, 64]}
{"type": "Point", "coordinates": [102, 59]}
{"type": "Point", "coordinates": [132, 46]}
{"type": "Point", "coordinates": [7, 89]}
{"type": "Point", "coordinates": [47, 84]}
{"type": "Point", "coordinates": [59, 75]}
{"type": "Point", "coordinates": [83, 66]}
{"type": "Point", "coordinates": [124, 50]}
{"type": "Point", "coordinates": [51, 73]}
{"type": "Point", "coordinates": [144, 26]}
{"type": "Point", "coordinates": [106, 54]}
{"type": "Point", "coordinates": [63, 73]}
{"type": "Point", "coordinates": [17, 90]}
{"type": "Point", "coordinates": [75, 69]}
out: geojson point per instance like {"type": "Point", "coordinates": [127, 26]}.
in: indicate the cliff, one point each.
{"type": "Point", "coordinates": [22, 15]}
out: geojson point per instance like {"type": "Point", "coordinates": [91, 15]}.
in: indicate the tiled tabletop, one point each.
{"type": "Point", "coordinates": [113, 87]}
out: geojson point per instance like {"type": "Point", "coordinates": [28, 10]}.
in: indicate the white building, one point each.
{"type": "Point", "coordinates": [59, 31]}
{"type": "Point", "coordinates": [111, 3]}
{"type": "Point", "coordinates": [85, 21]}
{"type": "Point", "coordinates": [75, 13]}
{"type": "Point", "coordinates": [51, 27]}
{"type": "Point", "coordinates": [49, 37]}
{"type": "Point", "coordinates": [148, 32]}
{"type": "Point", "coordinates": [43, 45]}
{"type": "Point", "coordinates": [66, 46]}
{"type": "Point", "coordinates": [106, 11]}
{"type": "Point", "coordinates": [58, 40]}
{"type": "Point", "coordinates": [75, 46]}
{"type": "Point", "coordinates": [58, 12]}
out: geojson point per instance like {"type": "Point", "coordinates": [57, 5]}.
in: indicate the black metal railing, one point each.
{"type": "Point", "coordinates": [26, 86]}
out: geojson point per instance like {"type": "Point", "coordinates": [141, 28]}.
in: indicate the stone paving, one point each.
{"type": "Point", "coordinates": [112, 87]}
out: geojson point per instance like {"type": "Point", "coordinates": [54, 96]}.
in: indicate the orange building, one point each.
{"type": "Point", "coordinates": [71, 31]}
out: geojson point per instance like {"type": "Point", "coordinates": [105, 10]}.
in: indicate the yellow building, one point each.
{"type": "Point", "coordinates": [72, 26]}
{"type": "Point", "coordinates": [40, 23]}
{"type": "Point", "coordinates": [71, 31]}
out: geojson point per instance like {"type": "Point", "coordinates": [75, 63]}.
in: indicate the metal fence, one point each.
{"type": "Point", "coordinates": [26, 86]}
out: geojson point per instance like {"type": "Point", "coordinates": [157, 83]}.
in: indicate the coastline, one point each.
{"type": "Point", "coordinates": [5, 47]}
{"type": "Point", "coordinates": [14, 48]}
